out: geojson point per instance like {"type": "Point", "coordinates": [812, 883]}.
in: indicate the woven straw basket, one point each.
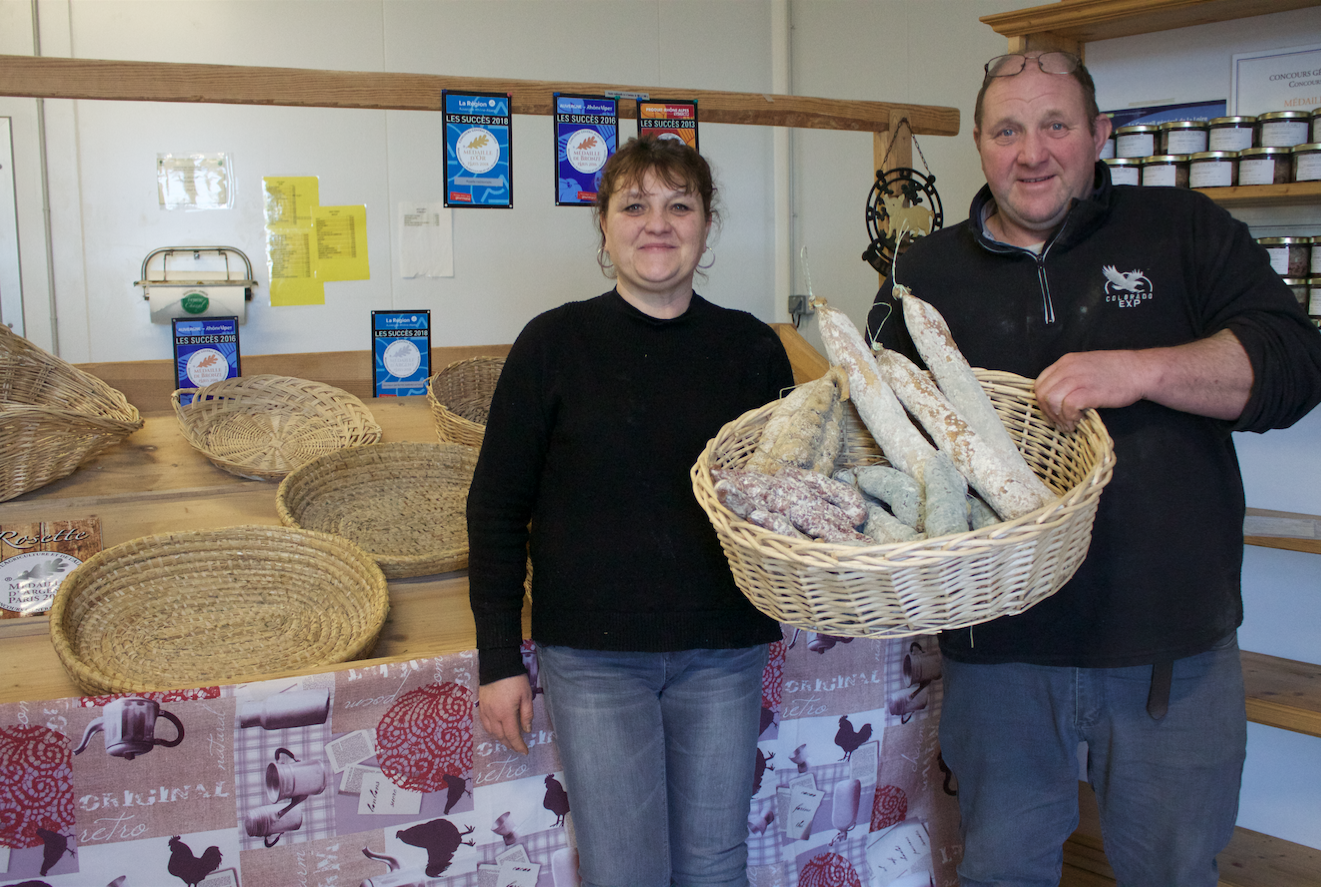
{"type": "Point", "coordinates": [262, 427]}
{"type": "Point", "coordinates": [53, 416]}
{"type": "Point", "coordinates": [460, 398]}
{"type": "Point", "coordinates": [902, 589]}
{"type": "Point", "coordinates": [206, 607]}
{"type": "Point", "coordinates": [402, 502]}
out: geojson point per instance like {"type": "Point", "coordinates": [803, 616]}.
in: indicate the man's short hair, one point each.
{"type": "Point", "coordinates": [1080, 74]}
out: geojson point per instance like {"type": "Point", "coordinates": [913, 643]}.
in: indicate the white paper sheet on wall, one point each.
{"type": "Point", "coordinates": [194, 181]}
{"type": "Point", "coordinates": [426, 240]}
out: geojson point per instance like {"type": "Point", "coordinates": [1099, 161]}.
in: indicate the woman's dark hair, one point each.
{"type": "Point", "coordinates": [672, 161]}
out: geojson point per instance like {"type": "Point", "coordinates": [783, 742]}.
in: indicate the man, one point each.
{"type": "Point", "coordinates": [1155, 307]}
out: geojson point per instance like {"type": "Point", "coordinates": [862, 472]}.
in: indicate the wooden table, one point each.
{"type": "Point", "coordinates": [155, 482]}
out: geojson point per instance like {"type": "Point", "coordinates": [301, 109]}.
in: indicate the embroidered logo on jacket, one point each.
{"type": "Point", "coordinates": [1127, 289]}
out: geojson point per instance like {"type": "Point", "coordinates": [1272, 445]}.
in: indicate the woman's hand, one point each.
{"type": "Point", "coordinates": [505, 707]}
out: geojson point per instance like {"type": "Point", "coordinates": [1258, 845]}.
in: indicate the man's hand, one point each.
{"type": "Point", "coordinates": [1209, 377]}
{"type": "Point", "coordinates": [505, 707]}
{"type": "Point", "coordinates": [1089, 379]}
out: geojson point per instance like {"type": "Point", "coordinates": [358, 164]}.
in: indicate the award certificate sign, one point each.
{"type": "Point", "coordinates": [206, 350]}
{"type": "Point", "coordinates": [1276, 80]}
{"type": "Point", "coordinates": [668, 120]}
{"type": "Point", "coordinates": [401, 343]}
{"type": "Point", "coordinates": [586, 134]}
{"type": "Point", "coordinates": [478, 171]}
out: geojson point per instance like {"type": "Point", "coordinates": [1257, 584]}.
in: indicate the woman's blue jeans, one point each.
{"type": "Point", "coordinates": [659, 751]}
{"type": "Point", "coordinates": [1167, 789]}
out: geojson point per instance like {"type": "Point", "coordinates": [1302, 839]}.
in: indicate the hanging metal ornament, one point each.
{"type": "Point", "coordinates": [902, 206]}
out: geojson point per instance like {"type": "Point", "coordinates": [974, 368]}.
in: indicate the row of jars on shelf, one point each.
{"type": "Point", "coordinates": [1269, 149]}
{"type": "Point", "coordinates": [1221, 169]}
{"type": "Point", "coordinates": [1276, 129]}
{"type": "Point", "coordinates": [1298, 261]}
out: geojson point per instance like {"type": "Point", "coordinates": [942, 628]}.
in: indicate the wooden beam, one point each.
{"type": "Point", "coordinates": [1088, 20]}
{"type": "Point", "coordinates": [65, 78]}
{"type": "Point", "coordinates": [807, 362]}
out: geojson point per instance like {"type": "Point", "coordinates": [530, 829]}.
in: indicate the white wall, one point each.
{"type": "Point", "coordinates": [921, 53]}
{"type": "Point", "coordinates": [510, 265]}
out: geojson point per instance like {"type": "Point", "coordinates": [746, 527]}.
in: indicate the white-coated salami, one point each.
{"type": "Point", "coordinates": [952, 371]}
{"type": "Point", "coordinates": [896, 489]}
{"type": "Point", "coordinates": [1004, 481]}
{"type": "Point", "coordinates": [945, 509]}
{"type": "Point", "coordinates": [877, 405]}
{"type": "Point", "coordinates": [841, 495]}
{"type": "Point", "coordinates": [883, 526]}
{"type": "Point", "coordinates": [776, 523]}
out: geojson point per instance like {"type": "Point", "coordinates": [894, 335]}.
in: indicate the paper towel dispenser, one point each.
{"type": "Point", "coordinates": [196, 281]}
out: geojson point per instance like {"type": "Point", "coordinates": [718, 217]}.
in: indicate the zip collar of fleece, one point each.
{"type": "Point", "coordinates": [1083, 217]}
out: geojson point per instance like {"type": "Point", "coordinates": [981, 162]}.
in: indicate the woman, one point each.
{"type": "Point", "coordinates": [650, 657]}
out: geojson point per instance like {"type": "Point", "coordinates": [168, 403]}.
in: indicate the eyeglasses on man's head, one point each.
{"type": "Point", "coordinates": [1057, 62]}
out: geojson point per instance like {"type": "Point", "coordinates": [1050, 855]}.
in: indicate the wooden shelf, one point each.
{"type": "Point", "coordinates": [1283, 693]}
{"type": "Point", "coordinates": [1283, 529]}
{"type": "Point", "coordinates": [1252, 859]}
{"type": "Point", "coordinates": [1083, 21]}
{"type": "Point", "coordinates": [1294, 194]}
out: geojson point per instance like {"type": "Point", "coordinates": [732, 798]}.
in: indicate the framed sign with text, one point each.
{"type": "Point", "coordinates": [1276, 80]}
{"type": "Point", "coordinates": [478, 142]}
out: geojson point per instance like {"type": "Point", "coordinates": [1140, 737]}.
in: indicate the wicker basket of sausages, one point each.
{"type": "Point", "coordinates": [857, 587]}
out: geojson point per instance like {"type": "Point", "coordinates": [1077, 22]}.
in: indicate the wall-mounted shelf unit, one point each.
{"type": "Point", "coordinates": [1071, 24]}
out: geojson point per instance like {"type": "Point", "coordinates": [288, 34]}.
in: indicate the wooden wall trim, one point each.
{"type": "Point", "coordinates": [64, 78]}
{"type": "Point", "coordinates": [148, 384]}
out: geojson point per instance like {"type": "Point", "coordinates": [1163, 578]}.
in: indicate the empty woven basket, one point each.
{"type": "Point", "coordinates": [262, 427]}
{"type": "Point", "coordinates": [53, 416]}
{"type": "Point", "coordinates": [909, 588]}
{"type": "Point", "coordinates": [404, 503]}
{"type": "Point", "coordinates": [460, 398]}
{"type": "Point", "coordinates": [209, 606]}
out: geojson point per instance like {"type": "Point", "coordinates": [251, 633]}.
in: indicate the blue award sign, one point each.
{"type": "Point", "coordinates": [586, 134]}
{"type": "Point", "coordinates": [206, 350]}
{"type": "Point", "coordinates": [401, 344]}
{"type": "Point", "coordinates": [478, 171]}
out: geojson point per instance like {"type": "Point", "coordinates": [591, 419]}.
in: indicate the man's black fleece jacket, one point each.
{"type": "Point", "coordinates": [599, 414]}
{"type": "Point", "coordinates": [1131, 267]}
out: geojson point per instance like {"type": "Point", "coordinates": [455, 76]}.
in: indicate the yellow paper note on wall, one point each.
{"type": "Point", "coordinates": [341, 243]}
{"type": "Point", "coordinates": [290, 202]}
{"type": "Point", "coordinates": [289, 259]}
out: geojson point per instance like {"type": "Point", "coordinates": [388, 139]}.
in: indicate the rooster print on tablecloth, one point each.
{"type": "Point", "coordinates": [191, 869]}
{"type": "Point", "coordinates": [848, 739]}
{"type": "Point", "coordinates": [440, 838]}
{"type": "Point", "coordinates": [556, 799]}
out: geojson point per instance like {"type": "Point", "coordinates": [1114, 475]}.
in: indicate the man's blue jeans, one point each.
{"type": "Point", "coordinates": [659, 751]}
{"type": "Point", "coordinates": [1167, 789]}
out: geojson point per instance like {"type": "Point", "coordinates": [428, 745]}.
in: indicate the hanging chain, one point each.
{"type": "Point", "coordinates": [903, 121]}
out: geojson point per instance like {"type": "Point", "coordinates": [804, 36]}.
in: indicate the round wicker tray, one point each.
{"type": "Point", "coordinates": [53, 416]}
{"type": "Point", "coordinates": [903, 589]}
{"type": "Point", "coordinates": [402, 502]}
{"type": "Point", "coordinates": [262, 427]}
{"type": "Point", "coordinates": [206, 607]}
{"type": "Point", "coordinates": [460, 397]}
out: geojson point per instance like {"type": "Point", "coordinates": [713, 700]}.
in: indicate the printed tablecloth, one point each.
{"type": "Point", "coordinates": [382, 776]}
